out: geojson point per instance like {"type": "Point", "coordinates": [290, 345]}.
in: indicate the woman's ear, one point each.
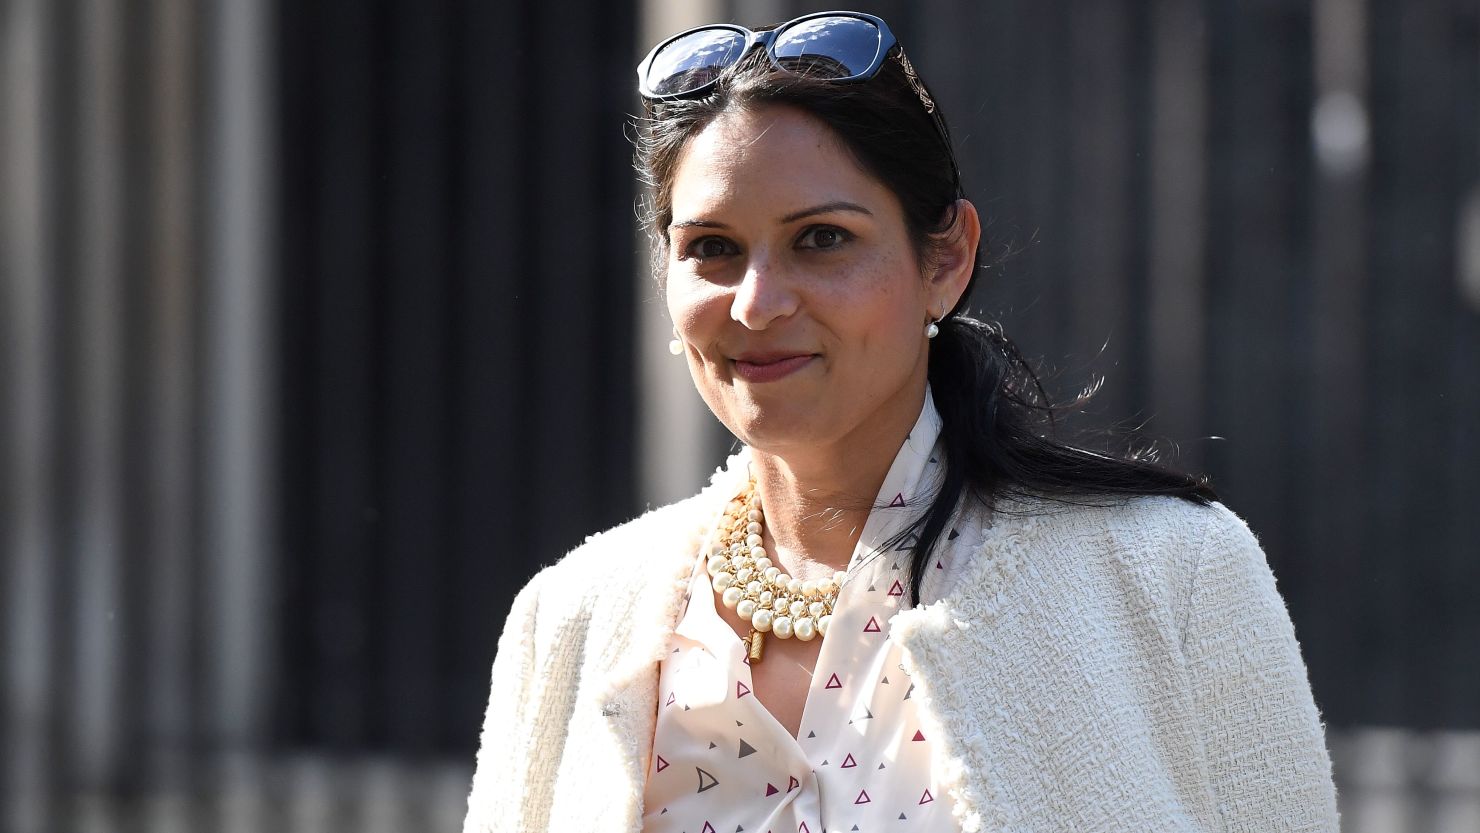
{"type": "Point", "coordinates": [955, 259]}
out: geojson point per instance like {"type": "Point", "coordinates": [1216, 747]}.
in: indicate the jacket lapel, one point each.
{"type": "Point", "coordinates": [630, 699]}
{"type": "Point", "coordinates": [942, 640]}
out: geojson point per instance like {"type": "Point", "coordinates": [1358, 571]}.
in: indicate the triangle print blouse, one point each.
{"type": "Point", "coordinates": [722, 763]}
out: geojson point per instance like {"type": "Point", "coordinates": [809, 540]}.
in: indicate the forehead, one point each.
{"type": "Point", "coordinates": [775, 156]}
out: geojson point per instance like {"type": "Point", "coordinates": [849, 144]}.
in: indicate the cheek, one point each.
{"type": "Point", "coordinates": [884, 308]}
{"type": "Point", "coordinates": [699, 312]}
{"type": "Point", "coordinates": [681, 297]}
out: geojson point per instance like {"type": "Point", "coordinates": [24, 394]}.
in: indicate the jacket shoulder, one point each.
{"type": "Point", "coordinates": [641, 555]}
{"type": "Point", "coordinates": [1156, 530]}
{"type": "Point", "coordinates": [1151, 543]}
{"type": "Point", "coordinates": [1144, 519]}
{"type": "Point", "coordinates": [633, 544]}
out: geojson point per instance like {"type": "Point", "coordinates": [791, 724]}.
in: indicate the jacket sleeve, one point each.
{"type": "Point", "coordinates": [1266, 751]}
{"type": "Point", "coordinates": [495, 805]}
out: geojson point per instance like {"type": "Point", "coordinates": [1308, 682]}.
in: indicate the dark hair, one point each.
{"type": "Point", "coordinates": [997, 422]}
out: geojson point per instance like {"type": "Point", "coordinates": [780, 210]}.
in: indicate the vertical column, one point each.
{"type": "Point", "coordinates": [415, 462]}
{"type": "Point", "coordinates": [1333, 460]}
{"type": "Point", "coordinates": [1177, 330]}
{"type": "Point", "coordinates": [488, 322]}
{"type": "Point", "coordinates": [1461, 569]}
{"type": "Point", "coordinates": [27, 419]}
{"type": "Point", "coordinates": [1404, 633]}
{"type": "Point", "coordinates": [1100, 211]}
{"type": "Point", "coordinates": [237, 303]}
{"type": "Point", "coordinates": [343, 273]}
{"type": "Point", "coordinates": [94, 520]}
{"type": "Point", "coordinates": [1257, 244]}
{"type": "Point", "coordinates": [168, 408]}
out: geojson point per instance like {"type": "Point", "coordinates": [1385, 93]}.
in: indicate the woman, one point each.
{"type": "Point", "coordinates": [902, 605]}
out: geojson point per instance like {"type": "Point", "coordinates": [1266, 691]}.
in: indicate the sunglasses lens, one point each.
{"type": "Point", "coordinates": [693, 60]}
{"type": "Point", "coordinates": [828, 47]}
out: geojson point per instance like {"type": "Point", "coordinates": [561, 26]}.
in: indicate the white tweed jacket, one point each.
{"type": "Point", "coordinates": [1121, 668]}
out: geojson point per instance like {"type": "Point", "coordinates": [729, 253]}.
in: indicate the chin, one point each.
{"type": "Point", "coordinates": [776, 426]}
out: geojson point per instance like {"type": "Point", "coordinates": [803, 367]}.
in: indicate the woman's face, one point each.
{"type": "Point", "coordinates": [793, 286]}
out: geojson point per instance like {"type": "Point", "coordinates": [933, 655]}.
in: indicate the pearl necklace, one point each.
{"type": "Point", "coordinates": [770, 600]}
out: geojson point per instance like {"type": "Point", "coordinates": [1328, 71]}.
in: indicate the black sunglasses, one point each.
{"type": "Point", "coordinates": [835, 46]}
{"type": "Point", "coordinates": [838, 46]}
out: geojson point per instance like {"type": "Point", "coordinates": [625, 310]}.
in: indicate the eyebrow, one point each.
{"type": "Point", "coordinates": [825, 208]}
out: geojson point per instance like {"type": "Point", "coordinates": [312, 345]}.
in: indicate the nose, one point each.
{"type": "Point", "coordinates": [765, 295]}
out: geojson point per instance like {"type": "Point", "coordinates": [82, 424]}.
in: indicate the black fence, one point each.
{"type": "Point", "coordinates": [457, 333]}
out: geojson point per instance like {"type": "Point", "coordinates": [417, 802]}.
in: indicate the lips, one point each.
{"type": "Point", "coordinates": [769, 367]}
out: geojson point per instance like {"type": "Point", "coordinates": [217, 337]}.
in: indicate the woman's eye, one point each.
{"type": "Point", "coordinates": [707, 247]}
{"type": "Point", "coordinates": [825, 237]}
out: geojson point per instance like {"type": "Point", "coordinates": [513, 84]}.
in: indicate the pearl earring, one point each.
{"type": "Point", "coordinates": [675, 346]}
{"type": "Point", "coordinates": [933, 328]}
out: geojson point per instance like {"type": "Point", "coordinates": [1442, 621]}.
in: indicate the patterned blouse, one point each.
{"type": "Point", "coordinates": [861, 761]}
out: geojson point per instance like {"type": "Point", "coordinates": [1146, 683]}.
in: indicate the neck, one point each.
{"type": "Point", "coordinates": [817, 499]}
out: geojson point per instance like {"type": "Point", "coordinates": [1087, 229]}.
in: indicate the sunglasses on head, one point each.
{"type": "Point", "coordinates": [838, 46]}
{"type": "Point", "coordinates": [834, 46]}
